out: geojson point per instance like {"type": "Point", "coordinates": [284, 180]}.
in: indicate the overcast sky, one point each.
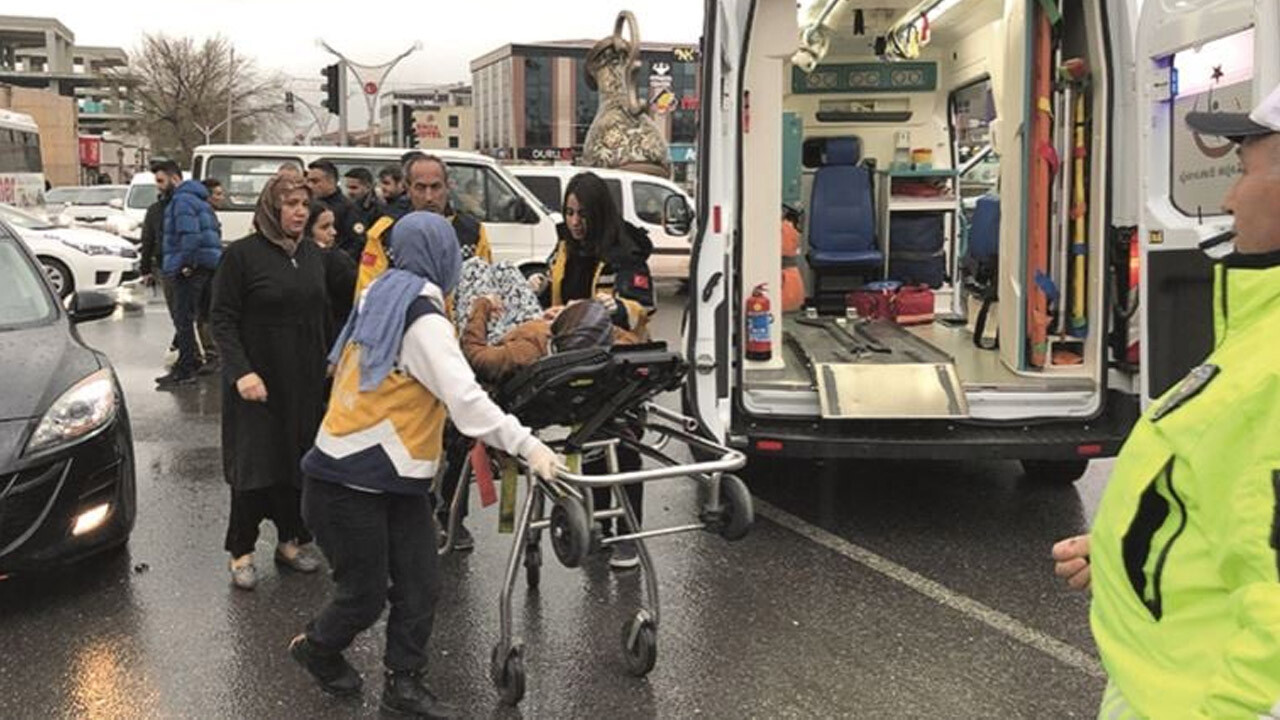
{"type": "Point", "coordinates": [281, 34]}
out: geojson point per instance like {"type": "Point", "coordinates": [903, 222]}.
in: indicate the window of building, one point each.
{"type": "Point", "coordinates": [453, 141]}
{"type": "Point", "coordinates": [586, 101]}
{"type": "Point", "coordinates": [537, 101]}
{"type": "Point", "coordinates": [649, 199]}
{"type": "Point", "coordinates": [453, 121]}
{"type": "Point", "coordinates": [684, 119]}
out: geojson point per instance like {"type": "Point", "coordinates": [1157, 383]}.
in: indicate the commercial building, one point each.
{"type": "Point", "coordinates": [532, 102]}
{"type": "Point", "coordinates": [437, 117]}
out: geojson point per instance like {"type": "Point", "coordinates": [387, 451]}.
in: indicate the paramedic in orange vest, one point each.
{"type": "Point", "coordinates": [400, 377]}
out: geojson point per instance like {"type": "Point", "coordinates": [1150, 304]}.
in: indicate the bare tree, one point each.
{"type": "Point", "coordinates": [184, 92]}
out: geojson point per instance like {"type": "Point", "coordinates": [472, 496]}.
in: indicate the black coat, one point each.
{"type": "Point", "coordinates": [152, 249]}
{"type": "Point", "coordinates": [340, 282]}
{"type": "Point", "coordinates": [269, 317]}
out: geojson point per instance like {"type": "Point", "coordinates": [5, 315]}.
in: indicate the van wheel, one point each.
{"type": "Point", "coordinates": [63, 282]}
{"type": "Point", "coordinates": [1054, 472]}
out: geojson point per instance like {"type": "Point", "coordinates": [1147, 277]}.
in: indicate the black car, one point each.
{"type": "Point", "coordinates": [67, 486]}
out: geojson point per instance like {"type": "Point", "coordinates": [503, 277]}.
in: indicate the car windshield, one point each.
{"type": "Point", "coordinates": [24, 220]}
{"type": "Point", "coordinates": [23, 298]}
{"type": "Point", "coordinates": [100, 195]}
{"type": "Point", "coordinates": [62, 195]}
{"type": "Point", "coordinates": [142, 196]}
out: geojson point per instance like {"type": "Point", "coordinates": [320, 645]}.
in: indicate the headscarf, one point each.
{"type": "Point", "coordinates": [266, 215]}
{"type": "Point", "coordinates": [424, 249]}
{"type": "Point", "coordinates": [581, 325]}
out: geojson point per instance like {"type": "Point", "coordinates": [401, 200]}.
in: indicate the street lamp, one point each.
{"type": "Point", "coordinates": [371, 78]}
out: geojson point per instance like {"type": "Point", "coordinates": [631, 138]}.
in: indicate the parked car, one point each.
{"type": "Point", "coordinates": [640, 199]}
{"type": "Point", "coordinates": [97, 206]}
{"type": "Point", "coordinates": [142, 193]}
{"type": "Point", "coordinates": [67, 482]}
{"type": "Point", "coordinates": [75, 258]}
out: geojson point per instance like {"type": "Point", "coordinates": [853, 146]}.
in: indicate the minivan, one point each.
{"type": "Point", "coordinates": [640, 198]}
{"type": "Point", "coordinates": [520, 228]}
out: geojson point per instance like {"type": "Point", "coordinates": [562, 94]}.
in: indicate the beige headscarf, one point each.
{"type": "Point", "coordinates": [266, 215]}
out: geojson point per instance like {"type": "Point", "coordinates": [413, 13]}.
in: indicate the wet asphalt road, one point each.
{"type": "Point", "coordinates": [870, 590]}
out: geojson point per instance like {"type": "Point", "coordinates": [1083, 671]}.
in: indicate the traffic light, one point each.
{"type": "Point", "coordinates": [288, 102]}
{"type": "Point", "coordinates": [332, 88]}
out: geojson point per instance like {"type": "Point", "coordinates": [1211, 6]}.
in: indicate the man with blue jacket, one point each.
{"type": "Point", "coordinates": [192, 248]}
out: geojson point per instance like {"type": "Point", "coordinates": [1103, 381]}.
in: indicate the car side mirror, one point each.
{"type": "Point", "coordinates": [677, 216]}
{"type": "Point", "coordinates": [90, 305]}
{"type": "Point", "coordinates": [116, 203]}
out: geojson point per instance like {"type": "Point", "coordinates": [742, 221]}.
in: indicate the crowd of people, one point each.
{"type": "Point", "coordinates": [346, 390]}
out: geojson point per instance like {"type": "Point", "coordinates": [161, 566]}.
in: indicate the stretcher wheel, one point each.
{"type": "Point", "coordinates": [642, 654]}
{"type": "Point", "coordinates": [507, 673]}
{"type": "Point", "coordinates": [739, 511]}
{"type": "Point", "coordinates": [533, 566]}
{"type": "Point", "coordinates": [570, 532]}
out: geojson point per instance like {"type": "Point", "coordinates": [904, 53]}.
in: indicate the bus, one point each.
{"type": "Point", "coordinates": [21, 169]}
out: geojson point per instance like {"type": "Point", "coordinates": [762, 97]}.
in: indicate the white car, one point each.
{"type": "Point", "coordinates": [95, 206]}
{"type": "Point", "coordinates": [640, 199]}
{"type": "Point", "coordinates": [141, 195]}
{"type": "Point", "coordinates": [75, 258]}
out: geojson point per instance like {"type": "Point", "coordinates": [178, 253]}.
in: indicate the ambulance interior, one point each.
{"type": "Point", "coordinates": [898, 129]}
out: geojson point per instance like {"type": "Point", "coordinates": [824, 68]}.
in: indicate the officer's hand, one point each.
{"type": "Point", "coordinates": [1071, 561]}
{"type": "Point", "coordinates": [252, 388]}
{"type": "Point", "coordinates": [537, 282]}
{"type": "Point", "coordinates": [542, 460]}
{"type": "Point", "coordinates": [609, 302]}
{"type": "Point", "coordinates": [493, 305]}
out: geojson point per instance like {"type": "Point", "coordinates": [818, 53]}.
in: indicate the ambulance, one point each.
{"type": "Point", "coordinates": [1000, 216]}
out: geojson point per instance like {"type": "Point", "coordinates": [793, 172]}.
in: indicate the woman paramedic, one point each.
{"type": "Point", "coordinates": [600, 256]}
{"type": "Point", "coordinates": [400, 375]}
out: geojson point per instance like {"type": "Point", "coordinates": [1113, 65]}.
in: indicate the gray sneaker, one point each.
{"type": "Point", "coordinates": [624, 556]}
{"type": "Point", "coordinates": [245, 576]}
{"type": "Point", "coordinates": [304, 559]}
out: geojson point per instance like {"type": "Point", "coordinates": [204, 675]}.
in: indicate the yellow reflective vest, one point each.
{"type": "Point", "coordinates": [1185, 548]}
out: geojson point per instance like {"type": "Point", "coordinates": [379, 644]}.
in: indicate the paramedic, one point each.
{"type": "Point", "coordinates": [1184, 553]}
{"type": "Point", "coordinates": [400, 374]}
{"type": "Point", "coordinates": [600, 256]}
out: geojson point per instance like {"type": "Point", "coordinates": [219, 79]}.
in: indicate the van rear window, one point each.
{"type": "Point", "coordinates": [1215, 76]}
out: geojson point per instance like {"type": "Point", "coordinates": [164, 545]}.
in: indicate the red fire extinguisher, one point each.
{"type": "Point", "coordinates": [759, 319]}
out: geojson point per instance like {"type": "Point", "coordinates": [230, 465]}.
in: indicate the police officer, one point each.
{"type": "Point", "coordinates": [1184, 554]}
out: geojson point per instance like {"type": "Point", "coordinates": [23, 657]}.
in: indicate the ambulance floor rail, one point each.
{"type": "Point", "coordinates": [573, 522]}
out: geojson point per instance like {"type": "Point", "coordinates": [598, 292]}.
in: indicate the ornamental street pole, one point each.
{"type": "Point", "coordinates": [370, 78]}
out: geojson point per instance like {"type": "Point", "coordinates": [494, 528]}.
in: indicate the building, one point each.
{"type": "Point", "coordinates": [40, 54]}
{"type": "Point", "coordinates": [436, 117]}
{"type": "Point", "coordinates": [532, 102]}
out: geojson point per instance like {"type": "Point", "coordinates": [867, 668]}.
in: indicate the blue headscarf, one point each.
{"type": "Point", "coordinates": [423, 248]}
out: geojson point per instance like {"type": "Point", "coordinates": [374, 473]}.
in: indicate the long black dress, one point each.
{"type": "Point", "coordinates": [269, 317]}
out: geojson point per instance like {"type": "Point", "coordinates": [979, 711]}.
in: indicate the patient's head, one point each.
{"type": "Point", "coordinates": [581, 325]}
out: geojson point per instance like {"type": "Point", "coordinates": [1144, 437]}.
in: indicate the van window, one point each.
{"type": "Point", "coordinates": [373, 164]}
{"type": "Point", "coordinates": [244, 177]}
{"type": "Point", "coordinates": [546, 189]}
{"type": "Point", "coordinates": [649, 199]}
{"type": "Point", "coordinates": [480, 192]}
{"type": "Point", "coordinates": [1215, 76]}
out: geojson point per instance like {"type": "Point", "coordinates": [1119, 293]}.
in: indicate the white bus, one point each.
{"type": "Point", "coordinates": [21, 170]}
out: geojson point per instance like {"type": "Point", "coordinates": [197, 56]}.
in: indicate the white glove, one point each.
{"type": "Point", "coordinates": [537, 282]}
{"type": "Point", "coordinates": [542, 460]}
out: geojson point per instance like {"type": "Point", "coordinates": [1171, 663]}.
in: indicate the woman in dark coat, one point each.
{"type": "Point", "coordinates": [269, 319]}
{"type": "Point", "coordinates": [339, 268]}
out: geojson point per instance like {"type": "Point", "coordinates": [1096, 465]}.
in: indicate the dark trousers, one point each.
{"type": "Point", "coordinates": [281, 505]}
{"type": "Point", "coordinates": [204, 328]}
{"type": "Point", "coordinates": [382, 548]}
{"type": "Point", "coordinates": [187, 292]}
{"type": "Point", "coordinates": [456, 448]}
{"type": "Point", "coordinates": [170, 302]}
{"type": "Point", "coordinates": [628, 460]}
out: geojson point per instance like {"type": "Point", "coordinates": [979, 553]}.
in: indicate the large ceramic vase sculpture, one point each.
{"type": "Point", "coordinates": [623, 134]}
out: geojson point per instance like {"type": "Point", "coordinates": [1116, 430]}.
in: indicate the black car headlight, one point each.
{"type": "Point", "coordinates": [82, 409]}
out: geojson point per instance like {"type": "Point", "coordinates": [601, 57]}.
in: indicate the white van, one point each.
{"type": "Point", "coordinates": [939, 96]}
{"type": "Point", "coordinates": [640, 198]}
{"type": "Point", "coordinates": [520, 229]}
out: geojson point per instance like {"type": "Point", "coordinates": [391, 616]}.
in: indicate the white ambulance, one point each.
{"type": "Point", "coordinates": [898, 128]}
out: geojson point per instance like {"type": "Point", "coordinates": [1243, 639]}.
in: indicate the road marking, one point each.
{"type": "Point", "coordinates": [1058, 650]}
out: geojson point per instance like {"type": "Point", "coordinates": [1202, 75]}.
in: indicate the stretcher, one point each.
{"type": "Point", "coordinates": [595, 401]}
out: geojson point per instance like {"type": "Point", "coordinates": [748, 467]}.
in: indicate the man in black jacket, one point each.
{"type": "Point", "coordinates": [322, 177]}
{"type": "Point", "coordinates": [359, 187]}
{"type": "Point", "coordinates": [394, 198]}
{"type": "Point", "coordinates": [168, 176]}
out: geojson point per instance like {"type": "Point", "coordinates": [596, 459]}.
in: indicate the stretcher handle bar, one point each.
{"type": "Point", "coordinates": [689, 424]}
{"type": "Point", "coordinates": [599, 515]}
{"type": "Point", "coordinates": [646, 534]}
{"type": "Point", "coordinates": [730, 460]}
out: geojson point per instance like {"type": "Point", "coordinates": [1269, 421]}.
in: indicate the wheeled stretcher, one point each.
{"type": "Point", "coordinates": [603, 399]}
